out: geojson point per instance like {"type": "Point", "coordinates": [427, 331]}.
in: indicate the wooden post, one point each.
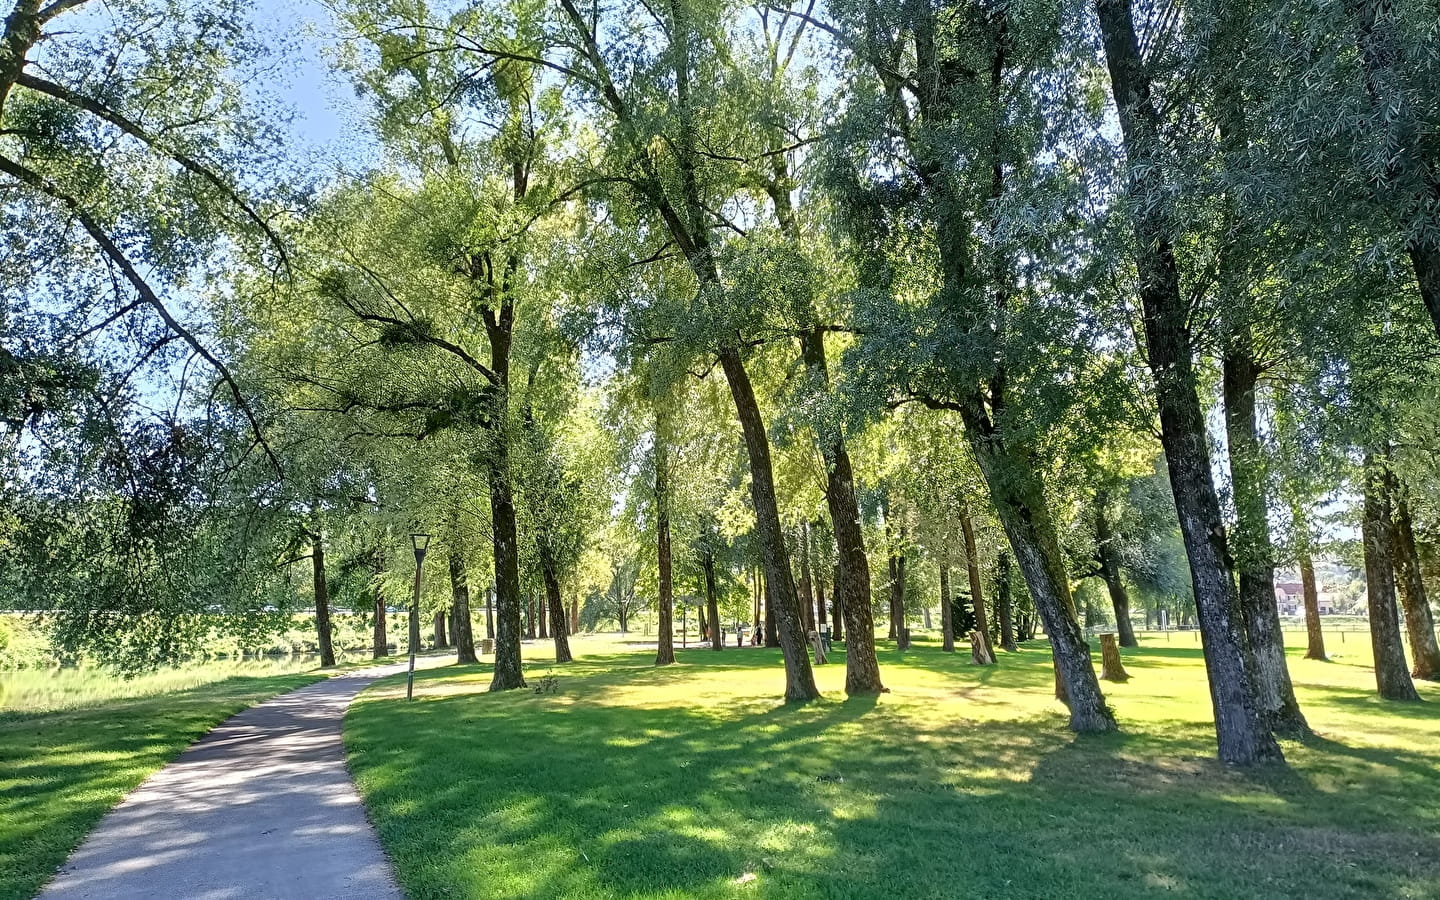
{"type": "Point", "coordinates": [1111, 668]}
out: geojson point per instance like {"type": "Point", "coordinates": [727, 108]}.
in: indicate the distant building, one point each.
{"type": "Point", "coordinates": [1290, 598]}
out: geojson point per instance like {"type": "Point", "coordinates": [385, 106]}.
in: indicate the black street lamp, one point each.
{"type": "Point", "coordinates": [421, 543]}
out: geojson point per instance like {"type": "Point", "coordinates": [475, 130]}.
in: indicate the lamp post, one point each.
{"type": "Point", "coordinates": [420, 543]}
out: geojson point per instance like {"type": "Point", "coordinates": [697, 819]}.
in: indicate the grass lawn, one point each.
{"type": "Point", "coordinates": [694, 781]}
{"type": "Point", "coordinates": [61, 769]}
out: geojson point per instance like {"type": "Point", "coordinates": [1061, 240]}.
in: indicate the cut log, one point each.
{"type": "Point", "coordinates": [1111, 668]}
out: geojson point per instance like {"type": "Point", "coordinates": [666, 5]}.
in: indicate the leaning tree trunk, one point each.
{"type": "Point", "coordinates": [712, 602]}
{"type": "Point", "coordinates": [1109, 560]}
{"type": "Point", "coordinates": [1019, 499]}
{"type": "Point", "coordinates": [1251, 545]}
{"type": "Point", "coordinates": [460, 596]}
{"type": "Point", "coordinates": [947, 615]}
{"type": "Point", "coordinates": [799, 677]}
{"type": "Point", "coordinates": [1241, 733]}
{"type": "Point", "coordinates": [555, 607]}
{"type": "Point", "coordinates": [972, 571]}
{"type": "Point", "coordinates": [322, 600]}
{"type": "Point", "coordinates": [1419, 622]}
{"type": "Point", "coordinates": [1392, 676]}
{"type": "Point", "coordinates": [1004, 608]}
{"type": "Point", "coordinates": [852, 568]}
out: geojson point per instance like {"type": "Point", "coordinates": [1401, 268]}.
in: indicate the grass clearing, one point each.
{"type": "Point", "coordinates": [61, 770]}
{"type": "Point", "coordinates": [693, 781]}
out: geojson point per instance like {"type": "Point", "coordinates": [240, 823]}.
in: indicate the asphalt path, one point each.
{"type": "Point", "coordinates": [262, 807]}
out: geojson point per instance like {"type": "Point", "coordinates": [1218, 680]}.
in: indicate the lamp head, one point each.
{"type": "Point", "coordinates": [421, 543]}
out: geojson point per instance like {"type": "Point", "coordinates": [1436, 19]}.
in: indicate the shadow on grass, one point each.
{"type": "Point", "coordinates": [583, 796]}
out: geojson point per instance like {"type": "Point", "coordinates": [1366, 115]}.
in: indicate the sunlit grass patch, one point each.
{"type": "Point", "coordinates": [60, 771]}
{"type": "Point", "coordinates": [696, 781]}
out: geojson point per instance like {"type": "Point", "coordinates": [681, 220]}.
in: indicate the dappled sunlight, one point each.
{"type": "Point", "coordinates": [695, 780]}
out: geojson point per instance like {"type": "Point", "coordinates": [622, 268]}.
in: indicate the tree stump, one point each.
{"type": "Point", "coordinates": [819, 647]}
{"type": "Point", "coordinates": [1111, 669]}
{"type": "Point", "coordinates": [979, 650]}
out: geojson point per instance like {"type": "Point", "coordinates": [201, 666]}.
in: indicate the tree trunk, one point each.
{"type": "Point", "coordinates": [1392, 676]}
{"type": "Point", "coordinates": [460, 596]}
{"type": "Point", "coordinates": [508, 672]}
{"type": "Point", "coordinates": [322, 600]}
{"type": "Point", "coordinates": [380, 644]}
{"type": "Point", "coordinates": [820, 604]}
{"type": "Point", "coordinates": [1019, 498]}
{"type": "Point", "coordinates": [490, 612]}
{"type": "Point", "coordinates": [772, 636]}
{"type": "Point", "coordinates": [1251, 545]}
{"type": "Point", "coordinates": [665, 652]}
{"type": "Point", "coordinates": [1109, 560]}
{"type": "Point", "coordinates": [1419, 623]}
{"type": "Point", "coordinates": [972, 570]}
{"type": "Point", "coordinates": [807, 584]}
{"type": "Point", "coordinates": [575, 615]}
{"type": "Point", "coordinates": [542, 617]}
{"type": "Point", "coordinates": [1003, 604]}
{"type": "Point", "coordinates": [898, 625]}
{"type": "Point", "coordinates": [1111, 666]}
{"type": "Point", "coordinates": [947, 615]}
{"type": "Point", "coordinates": [442, 641]}
{"type": "Point", "coordinates": [1315, 648]}
{"type": "Point", "coordinates": [529, 615]}
{"type": "Point", "coordinates": [712, 602]}
{"type": "Point", "coordinates": [799, 677]}
{"type": "Point", "coordinates": [1242, 735]}
{"type": "Point", "coordinates": [555, 607]}
{"type": "Point", "coordinates": [852, 568]}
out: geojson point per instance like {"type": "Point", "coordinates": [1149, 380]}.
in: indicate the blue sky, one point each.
{"type": "Point", "coordinates": [328, 119]}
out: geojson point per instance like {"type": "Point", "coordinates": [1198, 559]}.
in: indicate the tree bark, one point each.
{"type": "Point", "coordinates": [529, 616]}
{"type": "Point", "coordinates": [1003, 603]}
{"type": "Point", "coordinates": [442, 640]}
{"type": "Point", "coordinates": [712, 602]}
{"type": "Point", "coordinates": [1315, 637]}
{"type": "Point", "coordinates": [947, 615]}
{"type": "Point", "coordinates": [1392, 676]}
{"type": "Point", "coordinates": [820, 616]}
{"type": "Point", "coordinates": [508, 672]}
{"type": "Point", "coordinates": [799, 676]}
{"type": "Point", "coordinates": [460, 596]}
{"type": "Point", "coordinates": [665, 653]}
{"type": "Point", "coordinates": [490, 612]}
{"type": "Point", "coordinates": [1109, 560]}
{"type": "Point", "coordinates": [897, 598]}
{"type": "Point", "coordinates": [840, 617]}
{"type": "Point", "coordinates": [972, 571]}
{"type": "Point", "coordinates": [542, 617]}
{"type": "Point", "coordinates": [1111, 666]}
{"type": "Point", "coordinates": [380, 644]}
{"type": "Point", "coordinates": [772, 635]}
{"type": "Point", "coordinates": [555, 607]}
{"type": "Point", "coordinates": [1241, 733]}
{"type": "Point", "coordinates": [807, 584]}
{"type": "Point", "coordinates": [322, 600]}
{"type": "Point", "coordinates": [575, 615]}
{"type": "Point", "coordinates": [1252, 546]}
{"type": "Point", "coordinates": [1419, 622]}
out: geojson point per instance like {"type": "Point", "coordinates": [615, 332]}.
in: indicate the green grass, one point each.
{"type": "Point", "coordinates": [62, 769]}
{"type": "Point", "coordinates": [693, 781]}
{"type": "Point", "coordinates": [54, 689]}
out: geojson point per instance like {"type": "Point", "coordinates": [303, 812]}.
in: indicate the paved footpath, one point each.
{"type": "Point", "coordinates": [261, 808]}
